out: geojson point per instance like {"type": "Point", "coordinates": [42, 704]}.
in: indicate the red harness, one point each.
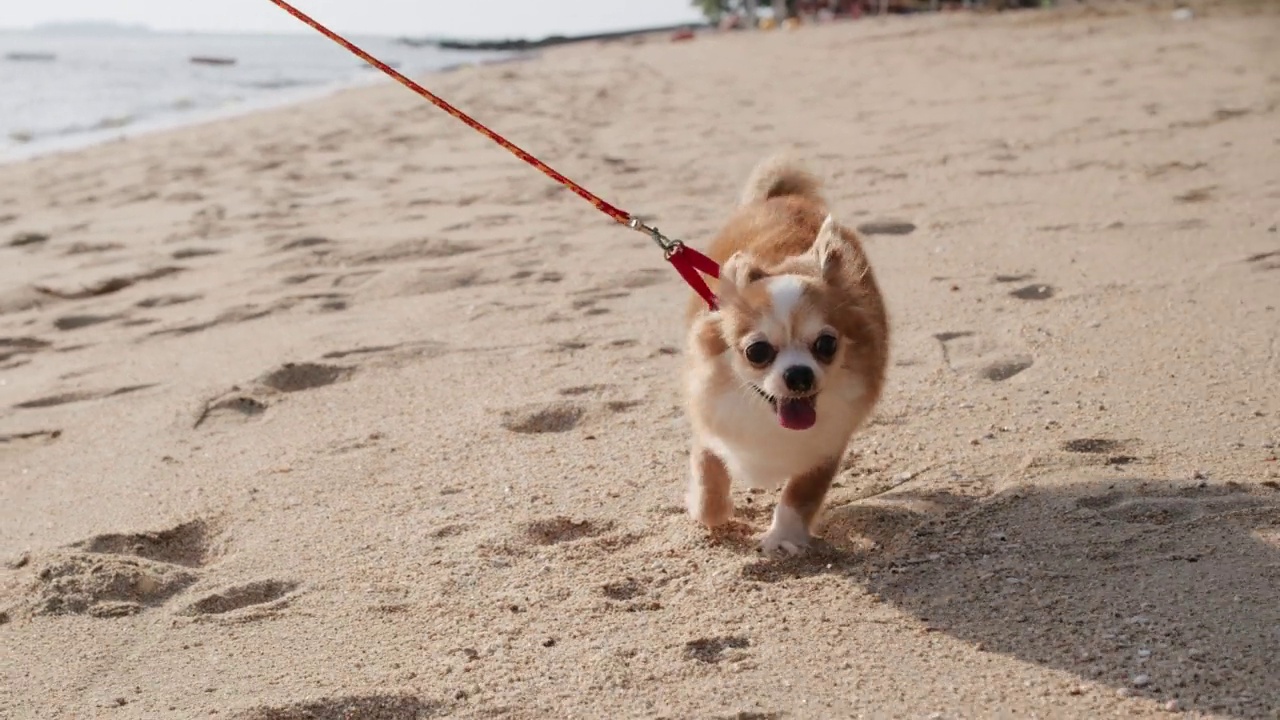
{"type": "Point", "coordinates": [687, 261]}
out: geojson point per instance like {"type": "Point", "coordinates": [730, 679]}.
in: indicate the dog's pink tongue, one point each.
{"type": "Point", "coordinates": [797, 414]}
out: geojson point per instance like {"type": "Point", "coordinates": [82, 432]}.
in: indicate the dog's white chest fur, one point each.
{"type": "Point", "coordinates": [742, 429]}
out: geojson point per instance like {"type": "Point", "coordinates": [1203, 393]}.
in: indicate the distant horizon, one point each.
{"type": "Point", "coordinates": [495, 20]}
{"type": "Point", "coordinates": [109, 27]}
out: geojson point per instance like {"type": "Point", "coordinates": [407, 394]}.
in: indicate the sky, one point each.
{"type": "Point", "coordinates": [455, 18]}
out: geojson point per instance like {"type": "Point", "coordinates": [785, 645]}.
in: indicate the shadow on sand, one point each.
{"type": "Point", "coordinates": [1169, 591]}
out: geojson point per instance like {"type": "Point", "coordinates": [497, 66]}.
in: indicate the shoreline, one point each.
{"type": "Point", "coordinates": [549, 41]}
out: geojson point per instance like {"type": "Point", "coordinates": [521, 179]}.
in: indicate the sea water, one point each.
{"type": "Point", "coordinates": [62, 88]}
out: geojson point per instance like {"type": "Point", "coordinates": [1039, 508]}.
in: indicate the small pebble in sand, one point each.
{"type": "Point", "coordinates": [1173, 706]}
{"type": "Point", "coordinates": [1124, 692]}
{"type": "Point", "coordinates": [1141, 680]}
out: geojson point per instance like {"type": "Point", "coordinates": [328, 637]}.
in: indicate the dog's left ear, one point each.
{"type": "Point", "coordinates": [831, 250]}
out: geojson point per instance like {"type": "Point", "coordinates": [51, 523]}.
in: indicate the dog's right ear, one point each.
{"type": "Point", "coordinates": [736, 273]}
{"type": "Point", "coordinates": [832, 251]}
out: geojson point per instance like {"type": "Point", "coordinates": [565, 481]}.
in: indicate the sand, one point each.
{"type": "Point", "coordinates": [338, 411]}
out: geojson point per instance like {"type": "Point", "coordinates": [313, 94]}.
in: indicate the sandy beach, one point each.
{"type": "Point", "coordinates": [340, 411]}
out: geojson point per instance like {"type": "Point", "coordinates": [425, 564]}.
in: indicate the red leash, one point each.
{"type": "Point", "coordinates": [687, 261]}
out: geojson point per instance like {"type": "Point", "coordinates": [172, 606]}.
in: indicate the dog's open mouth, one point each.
{"type": "Point", "coordinates": [794, 413]}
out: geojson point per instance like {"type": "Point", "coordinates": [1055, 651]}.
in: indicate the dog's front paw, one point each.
{"type": "Point", "coordinates": [778, 543]}
{"type": "Point", "coordinates": [708, 509]}
{"type": "Point", "coordinates": [788, 535]}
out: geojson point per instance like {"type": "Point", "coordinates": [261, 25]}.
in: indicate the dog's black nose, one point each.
{"type": "Point", "coordinates": [799, 378]}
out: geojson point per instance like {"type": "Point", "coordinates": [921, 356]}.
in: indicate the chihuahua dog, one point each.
{"type": "Point", "coordinates": [792, 362]}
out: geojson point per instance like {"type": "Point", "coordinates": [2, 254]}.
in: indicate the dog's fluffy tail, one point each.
{"type": "Point", "coordinates": [780, 177]}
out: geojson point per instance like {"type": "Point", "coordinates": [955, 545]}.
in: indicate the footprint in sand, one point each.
{"type": "Point", "coordinates": [1167, 508]}
{"type": "Point", "coordinates": [233, 409]}
{"type": "Point", "coordinates": [971, 353]}
{"type": "Point", "coordinates": [261, 595]}
{"type": "Point", "coordinates": [303, 243]}
{"type": "Point", "coordinates": [28, 239]}
{"type": "Point", "coordinates": [17, 347]}
{"type": "Point", "coordinates": [414, 281]}
{"type": "Point", "coordinates": [108, 285]}
{"type": "Point", "coordinates": [238, 406]}
{"type": "Point", "coordinates": [75, 322]}
{"type": "Point", "coordinates": [589, 299]}
{"type": "Point", "coordinates": [79, 396]}
{"type": "Point", "coordinates": [623, 589]}
{"type": "Point", "coordinates": [296, 377]}
{"type": "Point", "coordinates": [397, 355]}
{"type": "Point", "coordinates": [713, 650]}
{"type": "Point", "coordinates": [187, 253]}
{"type": "Point", "coordinates": [583, 390]}
{"type": "Point", "coordinates": [543, 418]}
{"type": "Point", "coordinates": [167, 300]}
{"type": "Point", "coordinates": [84, 248]}
{"type": "Point", "coordinates": [116, 575]}
{"type": "Point", "coordinates": [1092, 445]}
{"type": "Point", "coordinates": [561, 529]}
{"type": "Point", "coordinates": [644, 277]}
{"type": "Point", "coordinates": [1013, 278]}
{"type": "Point", "coordinates": [629, 595]}
{"type": "Point", "coordinates": [243, 313]}
{"type": "Point", "coordinates": [1197, 195]}
{"type": "Point", "coordinates": [419, 249]}
{"type": "Point", "coordinates": [886, 227]}
{"type": "Point", "coordinates": [372, 707]}
{"type": "Point", "coordinates": [1103, 446]}
{"type": "Point", "coordinates": [621, 406]}
{"type": "Point", "coordinates": [1265, 260]}
{"type": "Point", "coordinates": [29, 437]}
{"type": "Point", "coordinates": [1034, 292]}
{"type": "Point", "coordinates": [1001, 370]}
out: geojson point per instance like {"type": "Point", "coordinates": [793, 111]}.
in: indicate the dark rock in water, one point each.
{"type": "Point", "coordinates": [30, 57]}
{"type": "Point", "coordinates": [210, 60]}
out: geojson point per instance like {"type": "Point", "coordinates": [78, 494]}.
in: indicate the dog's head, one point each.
{"type": "Point", "coordinates": [796, 333]}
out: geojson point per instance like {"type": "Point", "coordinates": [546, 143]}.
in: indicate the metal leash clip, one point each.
{"type": "Point", "coordinates": [669, 247]}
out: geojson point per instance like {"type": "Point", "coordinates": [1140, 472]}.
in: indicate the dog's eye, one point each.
{"type": "Point", "coordinates": [760, 353]}
{"type": "Point", "coordinates": [824, 348]}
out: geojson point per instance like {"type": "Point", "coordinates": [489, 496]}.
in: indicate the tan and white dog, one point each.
{"type": "Point", "coordinates": [792, 363]}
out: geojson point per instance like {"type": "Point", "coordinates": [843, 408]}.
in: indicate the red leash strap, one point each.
{"type": "Point", "coordinates": [689, 263]}
{"type": "Point", "coordinates": [686, 261]}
